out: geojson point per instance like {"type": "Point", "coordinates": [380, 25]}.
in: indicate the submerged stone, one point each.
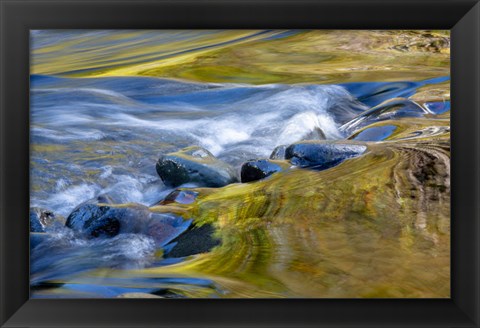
{"type": "Point", "coordinates": [259, 169]}
{"type": "Point", "coordinates": [194, 241]}
{"type": "Point", "coordinates": [194, 165]}
{"type": "Point", "coordinates": [322, 155]}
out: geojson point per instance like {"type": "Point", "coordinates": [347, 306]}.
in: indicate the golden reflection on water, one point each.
{"type": "Point", "coordinates": [315, 56]}
{"type": "Point", "coordinates": [366, 228]}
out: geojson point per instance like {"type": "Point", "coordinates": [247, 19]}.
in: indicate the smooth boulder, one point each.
{"type": "Point", "coordinates": [84, 215]}
{"type": "Point", "coordinates": [194, 165]}
{"type": "Point", "coordinates": [321, 155]}
{"type": "Point", "coordinates": [195, 240]}
{"type": "Point", "coordinates": [259, 169]}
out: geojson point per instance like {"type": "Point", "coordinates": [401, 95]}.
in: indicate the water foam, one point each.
{"type": "Point", "coordinates": [236, 122]}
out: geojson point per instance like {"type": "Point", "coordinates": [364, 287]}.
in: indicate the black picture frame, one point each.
{"type": "Point", "coordinates": [462, 17]}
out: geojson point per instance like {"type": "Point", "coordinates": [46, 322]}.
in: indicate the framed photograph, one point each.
{"type": "Point", "coordinates": [227, 163]}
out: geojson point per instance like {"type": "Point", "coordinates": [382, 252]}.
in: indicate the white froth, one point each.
{"type": "Point", "coordinates": [67, 199]}
{"type": "Point", "coordinates": [250, 126]}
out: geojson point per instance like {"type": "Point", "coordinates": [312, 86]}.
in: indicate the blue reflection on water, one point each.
{"type": "Point", "coordinates": [376, 133]}
{"type": "Point", "coordinates": [374, 93]}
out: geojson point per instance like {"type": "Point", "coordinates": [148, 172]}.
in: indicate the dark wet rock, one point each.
{"type": "Point", "coordinates": [194, 241]}
{"type": "Point", "coordinates": [194, 165]}
{"type": "Point", "coordinates": [108, 221]}
{"type": "Point", "coordinates": [96, 221]}
{"type": "Point", "coordinates": [82, 217]}
{"type": "Point", "coordinates": [279, 152]}
{"type": "Point", "coordinates": [89, 210]}
{"type": "Point", "coordinates": [180, 196]}
{"type": "Point", "coordinates": [391, 109]}
{"type": "Point", "coordinates": [40, 219]}
{"type": "Point", "coordinates": [105, 226]}
{"type": "Point", "coordinates": [322, 155]}
{"type": "Point", "coordinates": [259, 169]}
{"type": "Point", "coordinates": [374, 133]}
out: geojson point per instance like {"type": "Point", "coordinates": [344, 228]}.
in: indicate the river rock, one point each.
{"type": "Point", "coordinates": [259, 169]}
{"type": "Point", "coordinates": [108, 221]}
{"type": "Point", "coordinates": [82, 217]}
{"type": "Point", "coordinates": [96, 221]}
{"type": "Point", "coordinates": [196, 240]}
{"type": "Point", "coordinates": [40, 219]}
{"type": "Point", "coordinates": [322, 155]}
{"type": "Point", "coordinates": [194, 165]}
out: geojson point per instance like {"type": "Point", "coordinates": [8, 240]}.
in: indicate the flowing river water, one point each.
{"type": "Point", "coordinates": [105, 105]}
